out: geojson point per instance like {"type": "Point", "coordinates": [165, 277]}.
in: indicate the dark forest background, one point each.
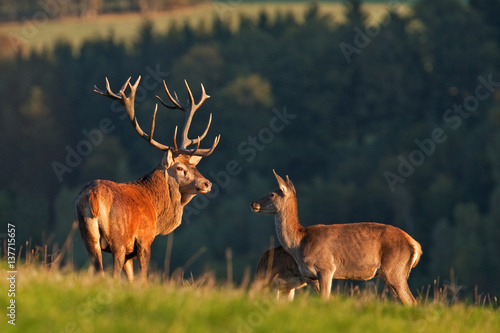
{"type": "Point", "coordinates": [397, 123]}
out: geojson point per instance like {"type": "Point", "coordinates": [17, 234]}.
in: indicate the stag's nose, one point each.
{"type": "Point", "coordinates": [255, 206]}
{"type": "Point", "coordinates": [204, 186]}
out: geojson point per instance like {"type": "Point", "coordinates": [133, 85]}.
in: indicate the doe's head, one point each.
{"type": "Point", "coordinates": [276, 200]}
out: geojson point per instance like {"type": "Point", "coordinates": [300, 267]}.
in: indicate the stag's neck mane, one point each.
{"type": "Point", "coordinates": [287, 224]}
{"type": "Point", "coordinates": [165, 197]}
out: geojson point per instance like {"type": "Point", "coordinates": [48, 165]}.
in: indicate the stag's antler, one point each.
{"type": "Point", "coordinates": [190, 109]}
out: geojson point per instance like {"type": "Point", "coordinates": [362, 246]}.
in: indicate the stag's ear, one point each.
{"type": "Point", "coordinates": [281, 183]}
{"type": "Point", "coordinates": [194, 160]}
{"type": "Point", "coordinates": [290, 184]}
{"type": "Point", "coordinates": [168, 159]}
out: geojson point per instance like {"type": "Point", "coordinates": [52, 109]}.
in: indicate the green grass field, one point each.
{"type": "Point", "coordinates": [42, 34]}
{"type": "Point", "coordinates": [78, 302]}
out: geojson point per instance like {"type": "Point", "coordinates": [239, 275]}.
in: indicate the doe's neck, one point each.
{"type": "Point", "coordinates": [287, 224]}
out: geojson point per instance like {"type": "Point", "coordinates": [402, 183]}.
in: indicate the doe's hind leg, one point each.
{"type": "Point", "coordinates": [398, 285]}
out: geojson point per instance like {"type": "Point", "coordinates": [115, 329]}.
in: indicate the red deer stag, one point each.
{"type": "Point", "coordinates": [356, 251]}
{"type": "Point", "coordinates": [278, 266]}
{"type": "Point", "coordinates": [124, 219]}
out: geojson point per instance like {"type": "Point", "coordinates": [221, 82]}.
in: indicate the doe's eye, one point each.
{"type": "Point", "coordinates": [271, 195]}
{"type": "Point", "coordinates": [180, 168]}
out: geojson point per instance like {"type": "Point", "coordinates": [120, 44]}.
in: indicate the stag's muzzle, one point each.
{"type": "Point", "coordinates": [203, 186]}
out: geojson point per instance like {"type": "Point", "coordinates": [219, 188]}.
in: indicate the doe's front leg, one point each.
{"type": "Point", "coordinates": [325, 283]}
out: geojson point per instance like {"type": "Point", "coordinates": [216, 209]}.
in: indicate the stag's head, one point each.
{"type": "Point", "coordinates": [276, 200]}
{"type": "Point", "coordinates": [179, 160]}
{"type": "Point", "coordinates": [182, 168]}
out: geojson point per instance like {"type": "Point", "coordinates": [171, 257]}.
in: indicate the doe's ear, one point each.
{"type": "Point", "coordinates": [168, 159]}
{"type": "Point", "coordinates": [290, 184]}
{"type": "Point", "coordinates": [281, 183]}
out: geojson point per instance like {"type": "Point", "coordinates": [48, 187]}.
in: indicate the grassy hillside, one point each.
{"type": "Point", "coordinates": [39, 34]}
{"type": "Point", "coordinates": [77, 302]}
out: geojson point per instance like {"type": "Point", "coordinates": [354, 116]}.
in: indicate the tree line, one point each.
{"type": "Point", "coordinates": [396, 123]}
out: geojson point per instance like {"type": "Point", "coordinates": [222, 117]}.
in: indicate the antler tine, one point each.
{"type": "Point", "coordinates": [191, 98]}
{"type": "Point", "coordinates": [128, 105]}
{"type": "Point", "coordinates": [153, 121]}
{"type": "Point", "coordinates": [108, 92]}
{"type": "Point", "coordinates": [127, 83]}
{"type": "Point", "coordinates": [185, 141]}
{"type": "Point", "coordinates": [165, 104]}
{"type": "Point", "coordinates": [201, 137]}
{"type": "Point", "coordinates": [204, 97]}
{"type": "Point", "coordinates": [210, 151]}
{"type": "Point", "coordinates": [175, 100]}
{"type": "Point", "coordinates": [175, 138]}
{"type": "Point", "coordinates": [206, 152]}
{"type": "Point", "coordinates": [197, 146]}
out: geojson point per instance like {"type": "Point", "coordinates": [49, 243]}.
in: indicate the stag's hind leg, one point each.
{"type": "Point", "coordinates": [89, 229]}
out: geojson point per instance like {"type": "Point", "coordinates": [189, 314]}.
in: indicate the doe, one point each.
{"type": "Point", "coordinates": [355, 251]}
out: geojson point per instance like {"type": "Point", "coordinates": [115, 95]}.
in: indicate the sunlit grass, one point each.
{"type": "Point", "coordinates": [76, 301]}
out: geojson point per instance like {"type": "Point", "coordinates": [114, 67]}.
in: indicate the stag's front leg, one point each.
{"type": "Point", "coordinates": [143, 255]}
{"type": "Point", "coordinates": [129, 269]}
{"type": "Point", "coordinates": [118, 261]}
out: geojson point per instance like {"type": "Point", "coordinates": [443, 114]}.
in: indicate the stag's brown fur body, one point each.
{"type": "Point", "coordinates": [356, 251]}
{"type": "Point", "coordinates": [124, 218]}
{"type": "Point", "coordinates": [278, 266]}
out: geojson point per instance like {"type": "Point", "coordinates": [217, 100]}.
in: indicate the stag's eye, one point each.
{"type": "Point", "coordinates": [182, 170]}
{"type": "Point", "coordinates": [271, 195]}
